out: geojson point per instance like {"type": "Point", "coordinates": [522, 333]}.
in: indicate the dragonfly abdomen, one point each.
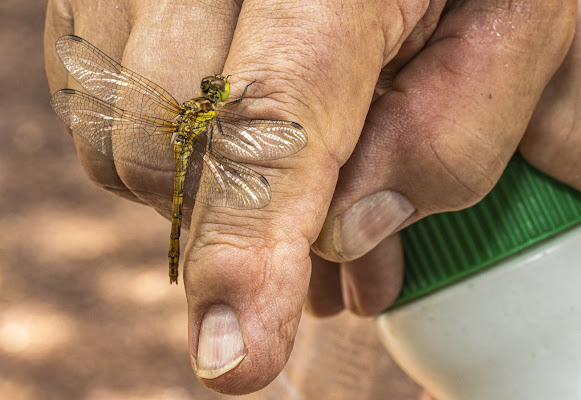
{"type": "Point", "coordinates": [182, 151]}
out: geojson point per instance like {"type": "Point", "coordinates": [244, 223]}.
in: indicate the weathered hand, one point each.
{"type": "Point", "coordinates": [450, 107]}
{"type": "Point", "coordinates": [454, 104]}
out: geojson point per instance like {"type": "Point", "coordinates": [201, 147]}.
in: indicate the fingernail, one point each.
{"type": "Point", "coordinates": [369, 221]}
{"type": "Point", "coordinates": [220, 344]}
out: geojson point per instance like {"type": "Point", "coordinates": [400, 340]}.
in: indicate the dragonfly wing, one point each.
{"type": "Point", "coordinates": [225, 183]}
{"type": "Point", "coordinates": [244, 139]}
{"type": "Point", "coordinates": [111, 82]}
{"type": "Point", "coordinates": [130, 139]}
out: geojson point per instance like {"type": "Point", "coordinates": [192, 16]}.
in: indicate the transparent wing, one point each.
{"type": "Point", "coordinates": [244, 139]}
{"type": "Point", "coordinates": [225, 183]}
{"type": "Point", "coordinates": [109, 81]}
{"type": "Point", "coordinates": [131, 139]}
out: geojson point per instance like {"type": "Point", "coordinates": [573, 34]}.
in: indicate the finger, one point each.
{"type": "Point", "coordinates": [157, 50]}
{"type": "Point", "coordinates": [59, 22]}
{"type": "Point", "coordinates": [177, 65]}
{"type": "Point", "coordinates": [440, 140]}
{"type": "Point", "coordinates": [552, 141]}
{"type": "Point", "coordinates": [372, 282]}
{"type": "Point", "coordinates": [364, 286]}
{"type": "Point", "coordinates": [412, 45]}
{"type": "Point", "coordinates": [324, 297]}
{"type": "Point", "coordinates": [256, 262]}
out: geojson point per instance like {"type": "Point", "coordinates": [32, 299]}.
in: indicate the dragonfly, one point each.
{"type": "Point", "coordinates": [137, 123]}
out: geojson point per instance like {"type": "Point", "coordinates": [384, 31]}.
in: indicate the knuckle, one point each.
{"type": "Point", "coordinates": [232, 229]}
{"type": "Point", "coordinates": [399, 23]}
{"type": "Point", "coordinates": [464, 171]}
{"type": "Point", "coordinates": [554, 148]}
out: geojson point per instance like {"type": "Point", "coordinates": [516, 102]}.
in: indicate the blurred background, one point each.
{"type": "Point", "coordinates": [86, 311]}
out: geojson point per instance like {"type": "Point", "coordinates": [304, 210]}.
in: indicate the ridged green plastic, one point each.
{"type": "Point", "coordinates": [524, 208]}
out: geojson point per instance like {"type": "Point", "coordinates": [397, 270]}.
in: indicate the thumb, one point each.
{"type": "Point", "coordinates": [247, 271]}
{"type": "Point", "coordinates": [247, 274]}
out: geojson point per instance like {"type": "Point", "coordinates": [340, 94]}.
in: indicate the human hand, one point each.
{"type": "Point", "coordinates": [552, 141]}
{"type": "Point", "coordinates": [434, 139]}
{"type": "Point", "coordinates": [462, 150]}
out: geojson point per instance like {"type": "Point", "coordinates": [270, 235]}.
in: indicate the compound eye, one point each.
{"type": "Point", "coordinates": [222, 87]}
{"type": "Point", "coordinates": [218, 84]}
{"type": "Point", "coordinates": [206, 83]}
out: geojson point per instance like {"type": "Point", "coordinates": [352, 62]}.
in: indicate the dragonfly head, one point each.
{"type": "Point", "coordinates": [216, 87]}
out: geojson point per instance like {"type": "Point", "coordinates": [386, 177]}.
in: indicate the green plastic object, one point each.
{"type": "Point", "coordinates": [524, 208]}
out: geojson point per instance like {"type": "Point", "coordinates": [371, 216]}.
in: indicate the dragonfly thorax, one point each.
{"type": "Point", "coordinates": [195, 115]}
{"type": "Point", "coordinates": [198, 105]}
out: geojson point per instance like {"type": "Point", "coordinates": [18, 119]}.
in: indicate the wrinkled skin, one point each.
{"type": "Point", "coordinates": [423, 101]}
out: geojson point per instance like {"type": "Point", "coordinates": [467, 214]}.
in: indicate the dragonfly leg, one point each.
{"type": "Point", "coordinates": [211, 135]}
{"type": "Point", "coordinates": [240, 98]}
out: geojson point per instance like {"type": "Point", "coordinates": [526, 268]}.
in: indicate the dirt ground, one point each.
{"type": "Point", "coordinates": [86, 311]}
